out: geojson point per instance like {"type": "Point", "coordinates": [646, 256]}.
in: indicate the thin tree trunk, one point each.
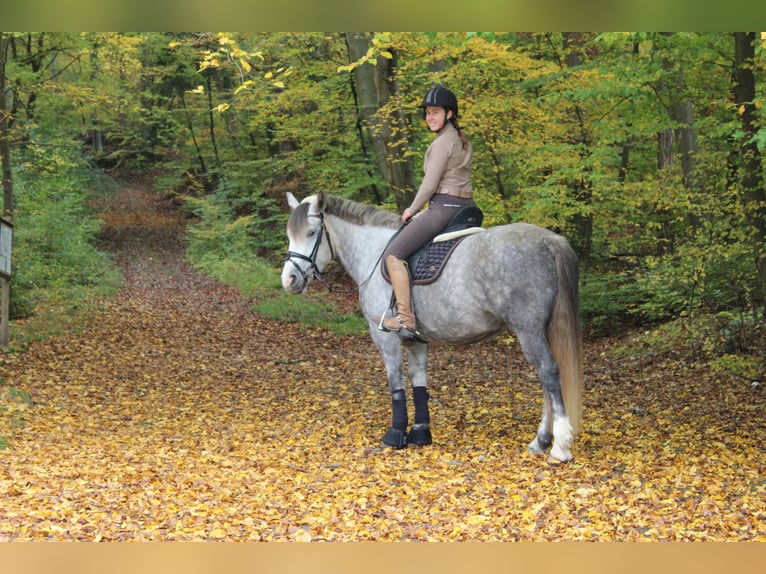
{"type": "Point", "coordinates": [363, 143]}
{"type": "Point", "coordinates": [5, 142]}
{"type": "Point", "coordinates": [193, 135]}
{"type": "Point", "coordinates": [211, 118]}
{"type": "Point", "coordinates": [583, 192]}
{"type": "Point", "coordinates": [393, 133]}
{"type": "Point", "coordinates": [751, 167]}
{"type": "Point", "coordinates": [684, 138]}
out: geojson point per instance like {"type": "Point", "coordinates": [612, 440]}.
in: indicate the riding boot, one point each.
{"type": "Point", "coordinates": [404, 321]}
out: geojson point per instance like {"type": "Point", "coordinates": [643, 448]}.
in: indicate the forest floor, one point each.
{"type": "Point", "coordinates": [177, 413]}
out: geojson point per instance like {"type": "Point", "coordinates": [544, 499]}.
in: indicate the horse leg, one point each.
{"type": "Point", "coordinates": [417, 366]}
{"type": "Point", "coordinates": [391, 352]}
{"type": "Point", "coordinates": [544, 436]}
{"type": "Point", "coordinates": [554, 419]}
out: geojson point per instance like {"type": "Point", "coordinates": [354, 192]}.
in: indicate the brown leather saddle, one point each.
{"type": "Point", "coordinates": [428, 262]}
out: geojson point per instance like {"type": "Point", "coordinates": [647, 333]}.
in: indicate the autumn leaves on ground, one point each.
{"type": "Point", "coordinates": [177, 413]}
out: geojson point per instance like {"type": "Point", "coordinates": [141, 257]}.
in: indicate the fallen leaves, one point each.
{"type": "Point", "coordinates": [179, 415]}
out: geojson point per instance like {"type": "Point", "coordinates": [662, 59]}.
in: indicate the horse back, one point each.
{"type": "Point", "coordinates": [504, 276]}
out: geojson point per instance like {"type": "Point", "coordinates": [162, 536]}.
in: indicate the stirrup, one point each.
{"type": "Point", "coordinates": [403, 331]}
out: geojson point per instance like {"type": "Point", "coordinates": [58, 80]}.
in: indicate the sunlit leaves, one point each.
{"type": "Point", "coordinates": [225, 51]}
{"type": "Point", "coordinates": [378, 41]}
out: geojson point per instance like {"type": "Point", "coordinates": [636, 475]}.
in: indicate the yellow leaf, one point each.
{"type": "Point", "coordinates": [477, 519]}
{"type": "Point", "coordinates": [301, 536]}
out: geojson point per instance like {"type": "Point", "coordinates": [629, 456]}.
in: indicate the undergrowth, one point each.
{"type": "Point", "coordinates": [728, 347]}
{"type": "Point", "coordinates": [256, 279]}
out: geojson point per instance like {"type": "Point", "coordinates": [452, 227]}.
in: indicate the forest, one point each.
{"type": "Point", "coordinates": [644, 149]}
{"type": "Point", "coordinates": [159, 384]}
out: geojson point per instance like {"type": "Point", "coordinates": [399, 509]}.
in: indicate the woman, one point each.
{"type": "Point", "coordinates": [446, 186]}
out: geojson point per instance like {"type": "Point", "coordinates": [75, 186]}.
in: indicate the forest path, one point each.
{"type": "Point", "coordinates": [178, 414]}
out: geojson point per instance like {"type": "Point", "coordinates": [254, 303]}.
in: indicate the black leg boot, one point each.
{"type": "Point", "coordinates": [420, 434]}
{"type": "Point", "coordinates": [397, 435]}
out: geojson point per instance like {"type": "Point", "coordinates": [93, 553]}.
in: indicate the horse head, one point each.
{"type": "Point", "coordinates": [309, 249]}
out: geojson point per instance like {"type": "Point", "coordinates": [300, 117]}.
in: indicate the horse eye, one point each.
{"type": "Point", "coordinates": [311, 233]}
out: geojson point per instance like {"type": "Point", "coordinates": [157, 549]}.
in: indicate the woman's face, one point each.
{"type": "Point", "coordinates": [436, 117]}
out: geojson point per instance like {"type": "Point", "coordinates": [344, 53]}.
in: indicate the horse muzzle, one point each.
{"type": "Point", "coordinates": [293, 282]}
{"type": "Point", "coordinates": [294, 279]}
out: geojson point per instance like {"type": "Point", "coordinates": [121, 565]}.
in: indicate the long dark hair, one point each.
{"type": "Point", "coordinates": [463, 137]}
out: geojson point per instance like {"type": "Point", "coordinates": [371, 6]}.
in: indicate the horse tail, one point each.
{"type": "Point", "coordinates": [565, 332]}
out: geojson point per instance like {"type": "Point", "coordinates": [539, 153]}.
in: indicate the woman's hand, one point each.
{"type": "Point", "coordinates": [407, 215]}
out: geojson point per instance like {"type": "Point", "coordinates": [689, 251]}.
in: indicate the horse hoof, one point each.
{"type": "Point", "coordinates": [535, 448]}
{"type": "Point", "coordinates": [420, 435]}
{"type": "Point", "coordinates": [557, 461]}
{"type": "Point", "coordinates": [395, 438]}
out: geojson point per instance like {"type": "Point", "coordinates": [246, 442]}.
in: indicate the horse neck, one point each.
{"type": "Point", "coordinates": [357, 247]}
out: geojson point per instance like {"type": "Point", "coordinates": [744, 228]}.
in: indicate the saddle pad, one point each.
{"type": "Point", "coordinates": [428, 266]}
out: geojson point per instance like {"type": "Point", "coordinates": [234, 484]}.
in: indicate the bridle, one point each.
{"type": "Point", "coordinates": [312, 258]}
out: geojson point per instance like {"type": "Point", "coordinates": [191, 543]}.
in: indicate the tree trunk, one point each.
{"type": "Point", "coordinates": [5, 142]}
{"type": "Point", "coordinates": [684, 138]}
{"type": "Point", "coordinates": [190, 125]}
{"type": "Point", "coordinates": [583, 193]}
{"type": "Point", "coordinates": [382, 121]}
{"type": "Point", "coordinates": [393, 132]}
{"type": "Point", "coordinates": [751, 180]}
{"type": "Point", "coordinates": [211, 120]}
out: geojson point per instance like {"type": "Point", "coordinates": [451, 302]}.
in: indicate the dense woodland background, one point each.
{"type": "Point", "coordinates": [644, 149]}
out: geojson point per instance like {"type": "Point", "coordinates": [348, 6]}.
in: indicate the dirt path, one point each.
{"type": "Point", "coordinates": [177, 414]}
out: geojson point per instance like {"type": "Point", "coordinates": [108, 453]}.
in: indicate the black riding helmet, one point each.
{"type": "Point", "coordinates": [440, 97]}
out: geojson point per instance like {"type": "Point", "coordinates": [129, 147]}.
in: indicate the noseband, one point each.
{"type": "Point", "coordinates": [312, 258]}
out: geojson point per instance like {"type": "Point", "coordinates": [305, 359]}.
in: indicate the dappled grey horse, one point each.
{"type": "Point", "coordinates": [519, 277]}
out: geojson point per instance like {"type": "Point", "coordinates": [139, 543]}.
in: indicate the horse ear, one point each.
{"type": "Point", "coordinates": [321, 201]}
{"type": "Point", "coordinates": [291, 201]}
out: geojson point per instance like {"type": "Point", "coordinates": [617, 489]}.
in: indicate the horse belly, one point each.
{"type": "Point", "coordinates": [454, 310]}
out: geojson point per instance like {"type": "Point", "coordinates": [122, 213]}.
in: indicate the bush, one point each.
{"type": "Point", "coordinates": [607, 300]}
{"type": "Point", "coordinates": [54, 231]}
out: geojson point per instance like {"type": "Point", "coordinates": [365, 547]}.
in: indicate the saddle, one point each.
{"type": "Point", "coordinates": [427, 263]}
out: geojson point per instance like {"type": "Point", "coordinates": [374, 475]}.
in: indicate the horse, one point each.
{"type": "Point", "coordinates": [517, 277]}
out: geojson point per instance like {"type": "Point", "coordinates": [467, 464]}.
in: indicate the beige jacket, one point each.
{"type": "Point", "coordinates": [447, 167]}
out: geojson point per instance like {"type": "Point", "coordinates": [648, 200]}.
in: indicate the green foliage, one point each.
{"type": "Point", "coordinates": [54, 234]}
{"type": "Point", "coordinates": [607, 299]}
{"type": "Point", "coordinates": [745, 367]}
{"type": "Point", "coordinates": [311, 310]}
{"type": "Point", "coordinates": [256, 278]}
{"type": "Point", "coordinates": [232, 224]}
{"type": "Point", "coordinates": [223, 247]}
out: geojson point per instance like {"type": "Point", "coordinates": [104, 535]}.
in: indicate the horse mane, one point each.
{"type": "Point", "coordinates": [360, 213]}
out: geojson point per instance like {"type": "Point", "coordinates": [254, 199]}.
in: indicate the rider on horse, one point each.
{"type": "Point", "coordinates": [446, 186]}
